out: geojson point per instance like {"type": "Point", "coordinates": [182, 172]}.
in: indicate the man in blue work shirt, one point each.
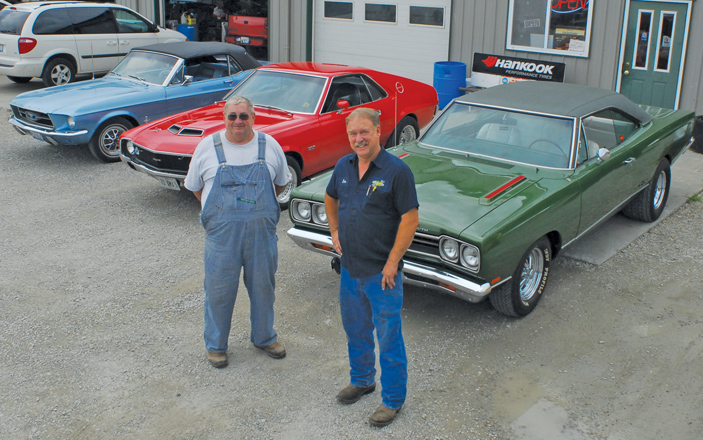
{"type": "Point", "coordinates": [372, 210]}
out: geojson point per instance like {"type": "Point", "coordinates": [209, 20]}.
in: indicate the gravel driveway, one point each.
{"type": "Point", "coordinates": [101, 330]}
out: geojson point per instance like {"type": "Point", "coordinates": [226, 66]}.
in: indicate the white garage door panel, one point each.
{"type": "Point", "coordinates": [399, 48]}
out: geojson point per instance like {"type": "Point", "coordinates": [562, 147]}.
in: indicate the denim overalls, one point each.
{"type": "Point", "coordinates": [240, 217]}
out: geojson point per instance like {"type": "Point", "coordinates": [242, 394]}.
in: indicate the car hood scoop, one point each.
{"type": "Point", "coordinates": [454, 192]}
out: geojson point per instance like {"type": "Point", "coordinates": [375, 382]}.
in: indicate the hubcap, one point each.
{"type": "Point", "coordinates": [407, 134]}
{"type": "Point", "coordinates": [660, 190]}
{"type": "Point", "coordinates": [284, 197]}
{"type": "Point", "coordinates": [531, 274]}
{"type": "Point", "coordinates": [61, 75]}
{"type": "Point", "coordinates": [109, 142]}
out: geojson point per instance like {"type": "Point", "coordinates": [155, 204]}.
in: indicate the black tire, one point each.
{"type": "Point", "coordinates": [519, 296]}
{"type": "Point", "coordinates": [406, 131]}
{"type": "Point", "coordinates": [105, 144]}
{"type": "Point", "coordinates": [58, 71]}
{"type": "Point", "coordinates": [296, 180]}
{"type": "Point", "coordinates": [19, 79]}
{"type": "Point", "coordinates": [649, 204]}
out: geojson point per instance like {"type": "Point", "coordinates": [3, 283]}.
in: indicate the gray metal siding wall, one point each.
{"type": "Point", "coordinates": [481, 26]}
{"type": "Point", "coordinates": [144, 7]}
{"type": "Point", "coordinates": [287, 30]}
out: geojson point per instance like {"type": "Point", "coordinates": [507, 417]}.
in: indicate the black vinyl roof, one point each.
{"type": "Point", "coordinates": [194, 49]}
{"type": "Point", "coordinates": [556, 98]}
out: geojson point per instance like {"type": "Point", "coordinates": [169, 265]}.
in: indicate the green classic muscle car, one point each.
{"type": "Point", "coordinates": [508, 176]}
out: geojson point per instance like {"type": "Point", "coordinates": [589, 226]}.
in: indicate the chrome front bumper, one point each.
{"type": "Point", "coordinates": [414, 273]}
{"type": "Point", "coordinates": [47, 135]}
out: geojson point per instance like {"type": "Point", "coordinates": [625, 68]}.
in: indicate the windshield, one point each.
{"type": "Point", "coordinates": [286, 91]}
{"type": "Point", "coordinates": [149, 67]}
{"type": "Point", "coordinates": [509, 135]}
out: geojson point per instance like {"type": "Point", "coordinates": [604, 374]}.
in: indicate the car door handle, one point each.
{"type": "Point", "coordinates": [112, 43]}
{"type": "Point", "coordinates": [629, 160]}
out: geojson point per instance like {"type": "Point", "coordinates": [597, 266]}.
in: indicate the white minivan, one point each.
{"type": "Point", "coordinates": [56, 41]}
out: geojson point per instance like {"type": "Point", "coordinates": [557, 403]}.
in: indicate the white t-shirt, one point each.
{"type": "Point", "coordinates": [204, 163]}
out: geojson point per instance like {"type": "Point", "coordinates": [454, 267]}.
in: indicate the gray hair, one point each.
{"type": "Point", "coordinates": [367, 113]}
{"type": "Point", "coordinates": [237, 99]}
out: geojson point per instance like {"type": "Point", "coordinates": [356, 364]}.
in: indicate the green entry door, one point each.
{"type": "Point", "coordinates": [652, 61]}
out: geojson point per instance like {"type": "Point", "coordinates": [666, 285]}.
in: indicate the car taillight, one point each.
{"type": "Point", "coordinates": [26, 45]}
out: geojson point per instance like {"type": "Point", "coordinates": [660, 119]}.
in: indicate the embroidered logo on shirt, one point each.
{"type": "Point", "coordinates": [344, 180]}
{"type": "Point", "coordinates": [242, 199]}
{"type": "Point", "coordinates": [377, 183]}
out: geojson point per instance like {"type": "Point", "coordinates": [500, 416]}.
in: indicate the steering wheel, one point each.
{"type": "Point", "coordinates": [551, 144]}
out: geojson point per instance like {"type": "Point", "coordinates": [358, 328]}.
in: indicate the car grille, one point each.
{"type": "Point", "coordinates": [31, 117]}
{"type": "Point", "coordinates": [171, 163]}
{"type": "Point", "coordinates": [425, 244]}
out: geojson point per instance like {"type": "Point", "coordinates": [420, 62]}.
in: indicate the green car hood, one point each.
{"type": "Point", "coordinates": [455, 190]}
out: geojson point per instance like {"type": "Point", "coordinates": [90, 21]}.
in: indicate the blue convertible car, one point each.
{"type": "Point", "coordinates": [150, 83]}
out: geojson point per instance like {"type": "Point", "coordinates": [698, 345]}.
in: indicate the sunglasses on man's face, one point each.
{"type": "Point", "coordinates": [241, 116]}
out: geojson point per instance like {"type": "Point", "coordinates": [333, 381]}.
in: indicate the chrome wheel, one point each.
{"type": "Point", "coordinates": [61, 75]}
{"type": "Point", "coordinates": [531, 274]}
{"type": "Point", "coordinates": [407, 134]}
{"type": "Point", "coordinates": [284, 197]}
{"type": "Point", "coordinates": [660, 190]}
{"type": "Point", "coordinates": [105, 143]}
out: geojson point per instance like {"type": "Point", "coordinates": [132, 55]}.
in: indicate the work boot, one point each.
{"type": "Point", "coordinates": [383, 416]}
{"type": "Point", "coordinates": [352, 393]}
{"type": "Point", "coordinates": [217, 360]}
{"type": "Point", "coordinates": [275, 350]}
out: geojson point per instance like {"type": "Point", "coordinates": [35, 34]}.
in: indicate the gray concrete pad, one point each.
{"type": "Point", "coordinates": [606, 240]}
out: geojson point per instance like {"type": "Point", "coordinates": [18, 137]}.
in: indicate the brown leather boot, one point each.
{"type": "Point", "coordinates": [351, 393]}
{"type": "Point", "coordinates": [383, 416]}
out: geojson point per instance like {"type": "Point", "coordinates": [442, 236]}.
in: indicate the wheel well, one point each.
{"type": "Point", "coordinates": [64, 56]}
{"type": "Point", "coordinates": [297, 158]}
{"type": "Point", "coordinates": [555, 240]}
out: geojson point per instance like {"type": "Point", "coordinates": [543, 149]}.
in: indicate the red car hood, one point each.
{"type": "Point", "coordinates": [181, 133]}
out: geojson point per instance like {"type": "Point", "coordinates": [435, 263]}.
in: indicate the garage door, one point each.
{"type": "Point", "coordinates": [404, 37]}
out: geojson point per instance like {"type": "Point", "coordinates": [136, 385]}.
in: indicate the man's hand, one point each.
{"type": "Point", "coordinates": [335, 242]}
{"type": "Point", "coordinates": [332, 210]}
{"type": "Point", "coordinates": [389, 273]}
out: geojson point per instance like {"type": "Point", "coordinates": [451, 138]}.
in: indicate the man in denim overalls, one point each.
{"type": "Point", "coordinates": [236, 175]}
{"type": "Point", "coordinates": [372, 209]}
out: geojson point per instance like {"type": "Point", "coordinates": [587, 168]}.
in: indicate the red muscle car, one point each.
{"type": "Point", "coordinates": [302, 105]}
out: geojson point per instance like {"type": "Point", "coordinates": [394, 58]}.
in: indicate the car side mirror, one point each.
{"type": "Point", "coordinates": [343, 105]}
{"type": "Point", "coordinates": [603, 154]}
{"type": "Point", "coordinates": [188, 79]}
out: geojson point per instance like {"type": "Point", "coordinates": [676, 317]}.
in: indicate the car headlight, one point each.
{"type": "Point", "coordinates": [470, 257]}
{"type": "Point", "coordinates": [128, 145]}
{"type": "Point", "coordinates": [319, 215]}
{"type": "Point", "coordinates": [302, 211]}
{"type": "Point", "coordinates": [449, 249]}
{"type": "Point", "coordinates": [71, 122]}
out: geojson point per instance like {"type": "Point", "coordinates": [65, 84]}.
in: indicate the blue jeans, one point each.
{"type": "Point", "coordinates": [364, 307]}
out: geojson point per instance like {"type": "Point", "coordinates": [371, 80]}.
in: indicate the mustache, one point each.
{"type": "Point", "coordinates": [361, 144]}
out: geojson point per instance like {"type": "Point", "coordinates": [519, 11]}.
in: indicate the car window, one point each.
{"type": "Point", "coordinates": [92, 20]}
{"type": "Point", "coordinates": [535, 139]}
{"type": "Point", "coordinates": [608, 128]}
{"type": "Point", "coordinates": [350, 88]}
{"type": "Point", "coordinates": [209, 67]}
{"type": "Point", "coordinates": [287, 91]}
{"type": "Point", "coordinates": [53, 22]}
{"type": "Point", "coordinates": [11, 22]}
{"type": "Point", "coordinates": [129, 22]}
{"type": "Point", "coordinates": [375, 90]}
{"type": "Point", "coordinates": [146, 66]}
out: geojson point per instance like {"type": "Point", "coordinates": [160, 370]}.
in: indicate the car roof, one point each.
{"type": "Point", "coordinates": [555, 98]}
{"type": "Point", "coordinates": [323, 69]}
{"type": "Point", "coordinates": [194, 49]}
{"type": "Point", "coordinates": [37, 5]}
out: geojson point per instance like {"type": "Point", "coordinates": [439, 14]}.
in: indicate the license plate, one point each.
{"type": "Point", "coordinates": [170, 183]}
{"type": "Point", "coordinates": [37, 136]}
{"type": "Point", "coordinates": [245, 40]}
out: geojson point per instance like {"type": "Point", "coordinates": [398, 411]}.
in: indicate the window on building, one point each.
{"type": "Point", "coordinates": [379, 12]}
{"type": "Point", "coordinates": [343, 10]}
{"type": "Point", "coordinates": [427, 15]}
{"type": "Point", "coordinates": [560, 27]}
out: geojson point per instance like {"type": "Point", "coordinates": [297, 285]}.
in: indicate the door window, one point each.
{"type": "Point", "coordinates": [378, 12]}
{"type": "Point", "coordinates": [425, 15]}
{"type": "Point", "coordinates": [93, 20]}
{"type": "Point", "coordinates": [608, 128]}
{"type": "Point", "coordinates": [644, 29]}
{"type": "Point", "coordinates": [666, 36]}
{"type": "Point", "coordinates": [130, 23]}
{"type": "Point", "coordinates": [343, 10]}
{"type": "Point", "coordinates": [353, 89]}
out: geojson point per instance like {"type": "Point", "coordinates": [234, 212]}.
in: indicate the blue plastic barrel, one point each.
{"type": "Point", "coordinates": [189, 30]}
{"type": "Point", "coordinates": [448, 77]}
